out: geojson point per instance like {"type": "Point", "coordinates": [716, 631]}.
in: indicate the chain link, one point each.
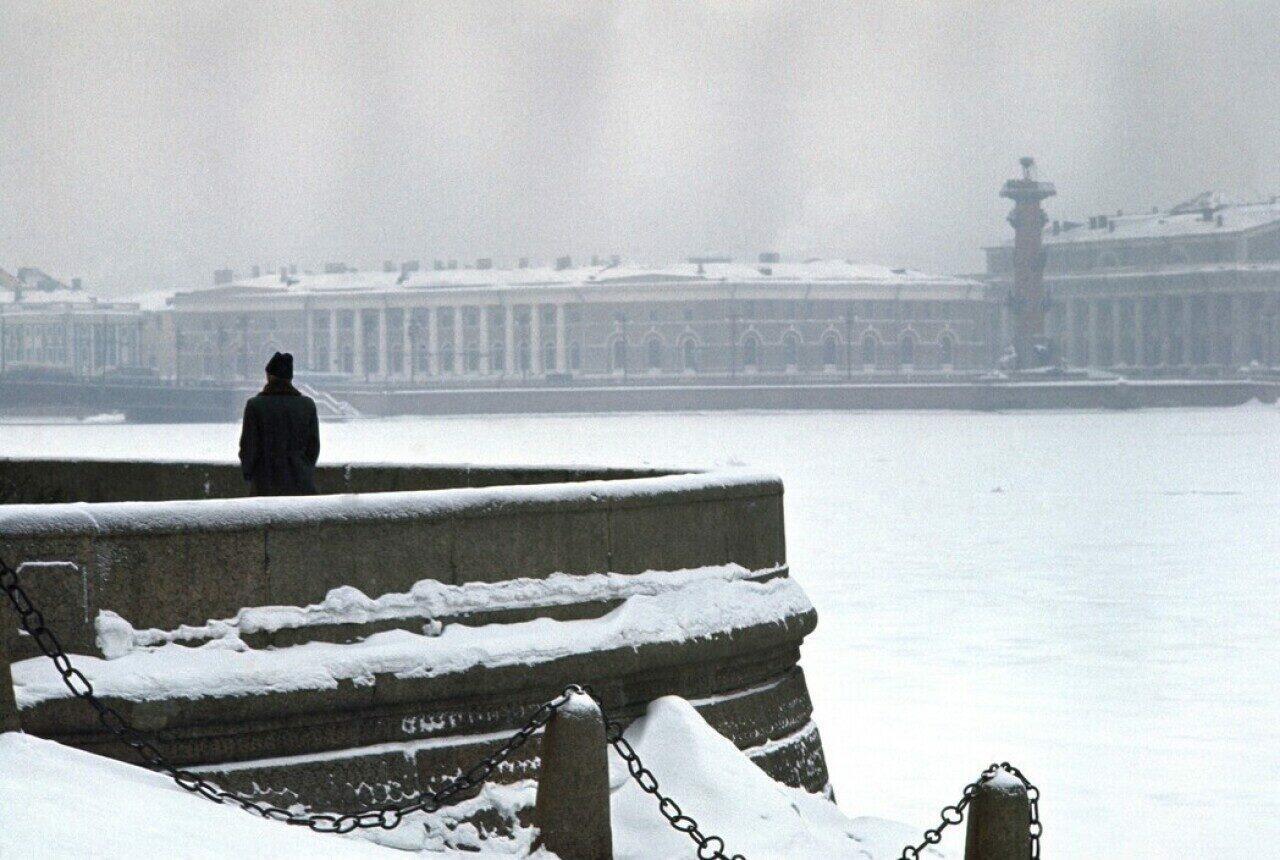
{"type": "Point", "coordinates": [954, 814]}
{"type": "Point", "coordinates": [387, 817]}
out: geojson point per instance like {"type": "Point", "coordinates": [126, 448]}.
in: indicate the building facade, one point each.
{"type": "Point", "coordinates": [1193, 287]}
{"type": "Point", "coordinates": [48, 327]}
{"type": "Point", "coordinates": [484, 325]}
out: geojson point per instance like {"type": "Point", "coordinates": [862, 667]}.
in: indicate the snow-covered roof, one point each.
{"type": "Point", "coordinates": [1207, 214]}
{"type": "Point", "coordinates": [581, 278]}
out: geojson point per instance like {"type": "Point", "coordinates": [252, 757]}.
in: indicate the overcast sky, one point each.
{"type": "Point", "coordinates": [147, 143]}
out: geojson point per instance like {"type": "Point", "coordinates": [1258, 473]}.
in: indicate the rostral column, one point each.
{"type": "Point", "coordinates": [1028, 302]}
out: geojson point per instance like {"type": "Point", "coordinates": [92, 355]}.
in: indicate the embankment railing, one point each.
{"type": "Point", "coordinates": [572, 807]}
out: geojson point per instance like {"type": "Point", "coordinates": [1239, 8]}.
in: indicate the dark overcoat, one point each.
{"type": "Point", "coordinates": [280, 442]}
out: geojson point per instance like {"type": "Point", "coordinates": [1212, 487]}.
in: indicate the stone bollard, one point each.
{"type": "Point", "coordinates": [572, 810]}
{"type": "Point", "coordinates": [999, 820]}
{"type": "Point", "coordinates": [8, 706]}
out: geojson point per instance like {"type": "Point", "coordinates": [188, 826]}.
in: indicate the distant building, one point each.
{"type": "Point", "coordinates": [47, 326]}
{"type": "Point", "coordinates": [1195, 286]}
{"type": "Point", "coordinates": [815, 320]}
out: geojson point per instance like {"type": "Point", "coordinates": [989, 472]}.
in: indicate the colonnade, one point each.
{"type": "Point", "coordinates": [420, 351]}
{"type": "Point", "coordinates": [1222, 329]}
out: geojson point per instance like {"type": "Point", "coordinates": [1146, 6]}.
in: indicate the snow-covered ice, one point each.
{"type": "Point", "coordinates": [1091, 596]}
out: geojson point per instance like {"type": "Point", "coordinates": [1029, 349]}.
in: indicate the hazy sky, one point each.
{"type": "Point", "coordinates": [147, 143]}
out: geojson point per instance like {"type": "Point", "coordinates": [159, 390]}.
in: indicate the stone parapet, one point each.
{"type": "Point", "coordinates": [169, 567]}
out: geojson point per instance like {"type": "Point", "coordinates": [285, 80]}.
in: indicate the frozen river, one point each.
{"type": "Point", "coordinates": [1092, 596]}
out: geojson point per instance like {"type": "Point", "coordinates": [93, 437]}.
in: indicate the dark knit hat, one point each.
{"type": "Point", "coordinates": [281, 365]}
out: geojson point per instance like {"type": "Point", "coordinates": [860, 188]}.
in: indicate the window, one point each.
{"type": "Point", "coordinates": [830, 351]}
{"type": "Point", "coordinates": [907, 350]}
{"type": "Point", "coordinates": [654, 353]}
{"type": "Point", "coordinates": [791, 350]}
{"type": "Point", "coordinates": [947, 351]}
{"type": "Point", "coordinates": [870, 350]}
{"type": "Point", "coordinates": [549, 357]}
{"type": "Point", "coordinates": [619, 355]}
{"type": "Point", "coordinates": [751, 351]}
{"type": "Point", "coordinates": [575, 356]}
{"type": "Point", "coordinates": [497, 357]}
{"type": "Point", "coordinates": [689, 355]}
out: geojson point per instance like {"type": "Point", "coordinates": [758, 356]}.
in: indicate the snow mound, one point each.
{"type": "Point", "coordinates": [56, 801]}
{"type": "Point", "coordinates": [730, 797]}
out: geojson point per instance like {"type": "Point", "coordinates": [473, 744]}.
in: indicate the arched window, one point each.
{"type": "Point", "coordinates": [947, 351]}
{"type": "Point", "coordinates": [654, 353]}
{"type": "Point", "coordinates": [830, 352]}
{"type": "Point", "coordinates": [870, 350]}
{"type": "Point", "coordinates": [751, 352]}
{"type": "Point", "coordinates": [689, 355]}
{"type": "Point", "coordinates": [791, 350]}
{"type": "Point", "coordinates": [907, 350]}
{"type": "Point", "coordinates": [619, 355]}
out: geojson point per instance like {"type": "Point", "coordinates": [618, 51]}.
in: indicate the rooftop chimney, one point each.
{"type": "Point", "coordinates": [223, 276]}
{"type": "Point", "coordinates": [484, 263]}
{"type": "Point", "coordinates": [388, 266]}
{"type": "Point", "coordinates": [257, 271]}
{"type": "Point", "coordinates": [524, 262]}
{"type": "Point", "coordinates": [770, 257]}
{"type": "Point", "coordinates": [563, 263]}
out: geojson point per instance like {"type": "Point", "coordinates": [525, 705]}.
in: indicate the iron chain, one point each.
{"type": "Point", "coordinates": [387, 817]}
{"type": "Point", "coordinates": [954, 814]}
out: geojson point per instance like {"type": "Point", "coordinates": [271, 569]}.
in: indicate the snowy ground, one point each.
{"type": "Point", "coordinates": [1091, 596]}
{"type": "Point", "coordinates": [59, 802]}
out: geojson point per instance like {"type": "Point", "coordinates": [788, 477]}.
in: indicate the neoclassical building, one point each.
{"type": "Point", "coordinates": [47, 326]}
{"type": "Point", "coordinates": [485, 325]}
{"type": "Point", "coordinates": [1195, 286]}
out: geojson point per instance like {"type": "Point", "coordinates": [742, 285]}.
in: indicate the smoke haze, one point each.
{"type": "Point", "coordinates": [147, 143]}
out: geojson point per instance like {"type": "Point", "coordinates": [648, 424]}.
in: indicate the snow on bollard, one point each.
{"type": "Point", "coordinates": [8, 706]}
{"type": "Point", "coordinates": [572, 810]}
{"type": "Point", "coordinates": [999, 820]}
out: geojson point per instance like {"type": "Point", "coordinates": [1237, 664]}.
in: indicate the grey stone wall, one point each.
{"type": "Point", "coordinates": [167, 563]}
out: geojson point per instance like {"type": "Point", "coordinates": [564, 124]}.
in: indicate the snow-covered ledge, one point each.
{"type": "Point", "coordinates": [343, 648]}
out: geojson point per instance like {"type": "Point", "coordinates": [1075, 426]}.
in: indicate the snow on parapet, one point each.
{"type": "Point", "coordinates": [426, 600]}
{"type": "Point", "coordinates": [228, 514]}
{"type": "Point", "coordinates": [226, 667]}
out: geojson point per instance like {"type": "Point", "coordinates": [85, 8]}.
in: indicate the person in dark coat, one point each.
{"type": "Point", "coordinates": [280, 436]}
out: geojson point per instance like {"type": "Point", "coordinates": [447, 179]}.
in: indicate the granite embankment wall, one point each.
{"type": "Point", "coordinates": [180, 552]}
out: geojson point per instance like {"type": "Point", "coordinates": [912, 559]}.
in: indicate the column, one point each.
{"type": "Point", "coordinates": [509, 331]}
{"type": "Point", "coordinates": [1239, 321]}
{"type": "Point", "coordinates": [535, 338]}
{"type": "Point", "coordinates": [406, 332]}
{"type": "Point", "coordinates": [357, 342]}
{"type": "Point", "coordinates": [1140, 332]}
{"type": "Point", "coordinates": [458, 351]}
{"type": "Point", "coordinates": [484, 340]}
{"type": "Point", "coordinates": [1188, 330]}
{"type": "Point", "coordinates": [1095, 341]}
{"type": "Point", "coordinates": [1117, 332]}
{"type": "Point", "coordinates": [561, 364]}
{"type": "Point", "coordinates": [1068, 336]}
{"type": "Point", "coordinates": [1166, 329]}
{"type": "Point", "coordinates": [384, 369]}
{"type": "Point", "coordinates": [309, 326]}
{"type": "Point", "coordinates": [333, 341]}
{"type": "Point", "coordinates": [433, 345]}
